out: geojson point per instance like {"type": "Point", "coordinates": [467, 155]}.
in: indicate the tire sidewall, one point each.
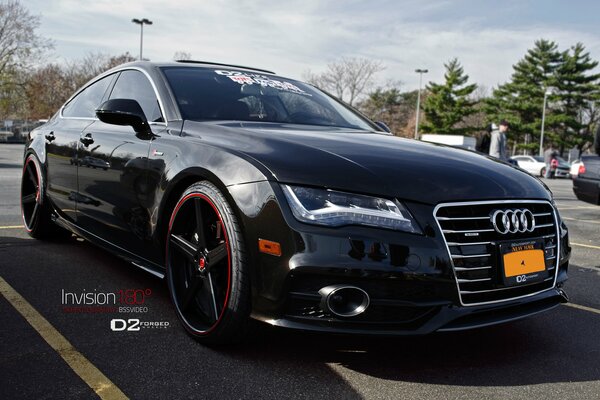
{"type": "Point", "coordinates": [214, 196]}
{"type": "Point", "coordinates": [32, 158]}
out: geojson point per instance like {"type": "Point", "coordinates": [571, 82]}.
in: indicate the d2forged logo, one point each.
{"type": "Point", "coordinates": [134, 324]}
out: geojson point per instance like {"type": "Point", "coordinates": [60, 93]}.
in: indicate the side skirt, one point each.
{"type": "Point", "coordinates": [140, 262]}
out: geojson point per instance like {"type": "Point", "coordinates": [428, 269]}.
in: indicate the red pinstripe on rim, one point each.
{"type": "Point", "coordinates": [168, 264]}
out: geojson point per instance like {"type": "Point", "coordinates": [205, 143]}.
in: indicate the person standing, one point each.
{"type": "Point", "coordinates": [498, 141]}
{"type": "Point", "coordinates": [549, 154]}
{"type": "Point", "coordinates": [483, 144]}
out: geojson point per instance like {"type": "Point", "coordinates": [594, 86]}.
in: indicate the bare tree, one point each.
{"type": "Point", "coordinates": [348, 78]}
{"type": "Point", "coordinates": [47, 87]}
{"type": "Point", "coordinates": [182, 55]}
{"type": "Point", "coordinates": [20, 47]}
{"type": "Point", "coordinates": [80, 71]}
{"type": "Point", "coordinates": [19, 44]}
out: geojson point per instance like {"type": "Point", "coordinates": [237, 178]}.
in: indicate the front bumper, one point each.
{"type": "Point", "coordinates": [410, 278]}
{"type": "Point", "coordinates": [442, 318]}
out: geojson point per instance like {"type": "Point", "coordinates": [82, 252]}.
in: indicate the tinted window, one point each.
{"type": "Point", "coordinates": [85, 103]}
{"type": "Point", "coordinates": [134, 85]}
{"type": "Point", "coordinates": [214, 94]}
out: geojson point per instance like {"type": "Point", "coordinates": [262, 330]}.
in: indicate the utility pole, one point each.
{"type": "Point", "coordinates": [546, 94]}
{"type": "Point", "coordinates": [141, 23]}
{"type": "Point", "coordinates": [420, 72]}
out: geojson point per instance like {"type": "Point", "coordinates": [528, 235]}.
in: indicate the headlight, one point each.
{"type": "Point", "coordinates": [331, 208]}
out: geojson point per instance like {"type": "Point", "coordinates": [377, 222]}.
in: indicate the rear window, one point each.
{"type": "Point", "coordinates": [205, 94]}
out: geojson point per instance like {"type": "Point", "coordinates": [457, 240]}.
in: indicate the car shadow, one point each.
{"type": "Point", "coordinates": [537, 350]}
{"type": "Point", "coordinates": [527, 352]}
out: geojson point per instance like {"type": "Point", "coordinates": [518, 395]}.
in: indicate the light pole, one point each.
{"type": "Point", "coordinates": [546, 94]}
{"type": "Point", "coordinates": [141, 23]}
{"type": "Point", "coordinates": [420, 72]}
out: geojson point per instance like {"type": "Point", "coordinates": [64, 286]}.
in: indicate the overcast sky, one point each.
{"type": "Point", "coordinates": [291, 36]}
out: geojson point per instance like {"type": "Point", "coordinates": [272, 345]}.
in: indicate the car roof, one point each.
{"type": "Point", "coordinates": [191, 64]}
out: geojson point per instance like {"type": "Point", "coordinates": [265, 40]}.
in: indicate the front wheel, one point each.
{"type": "Point", "coordinates": [35, 209]}
{"type": "Point", "coordinates": [206, 266]}
{"type": "Point", "coordinates": [543, 172]}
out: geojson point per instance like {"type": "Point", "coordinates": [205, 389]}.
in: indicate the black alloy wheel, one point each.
{"type": "Point", "coordinates": [31, 199]}
{"type": "Point", "coordinates": [205, 266]}
{"type": "Point", "coordinates": [35, 209]}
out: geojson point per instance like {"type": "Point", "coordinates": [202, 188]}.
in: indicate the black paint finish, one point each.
{"type": "Point", "coordinates": [117, 188]}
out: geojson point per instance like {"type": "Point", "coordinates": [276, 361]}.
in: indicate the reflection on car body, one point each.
{"type": "Point", "coordinates": [261, 197]}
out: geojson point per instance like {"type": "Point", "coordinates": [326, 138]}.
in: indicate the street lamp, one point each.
{"type": "Point", "coordinates": [546, 94]}
{"type": "Point", "coordinates": [141, 23]}
{"type": "Point", "coordinates": [420, 72]}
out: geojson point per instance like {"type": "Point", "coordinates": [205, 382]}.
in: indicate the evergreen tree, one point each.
{"type": "Point", "coordinates": [577, 91]}
{"type": "Point", "coordinates": [447, 104]}
{"type": "Point", "coordinates": [520, 101]}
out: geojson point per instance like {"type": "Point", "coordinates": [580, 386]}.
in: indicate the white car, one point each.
{"type": "Point", "coordinates": [531, 164]}
{"type": "Point", "coordinates": [575, 168]}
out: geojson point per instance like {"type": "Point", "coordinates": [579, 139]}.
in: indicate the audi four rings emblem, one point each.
{"type": "Point", "coordinates": [513, 221]}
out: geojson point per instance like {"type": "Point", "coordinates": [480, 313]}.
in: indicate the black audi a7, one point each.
{"type": "Point", "coordinates": [261, 197]}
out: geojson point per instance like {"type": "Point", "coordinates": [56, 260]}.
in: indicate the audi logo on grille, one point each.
{"type": "Point", "coordinates": [513, 221]}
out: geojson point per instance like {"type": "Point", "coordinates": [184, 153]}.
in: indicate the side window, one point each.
{"type": "Point", "coordinates": [134, 85]}
{"type": "Point", "coordinates": [85, 103]}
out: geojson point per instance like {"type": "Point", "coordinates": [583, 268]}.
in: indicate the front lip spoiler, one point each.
{"type": "Point", "coordinates": [448, 319]}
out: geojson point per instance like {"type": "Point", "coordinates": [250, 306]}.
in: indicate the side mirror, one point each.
{"type": "Point", "coordinates": [383, 126]}
{"type": "Point", "coordinates": [124, 112]}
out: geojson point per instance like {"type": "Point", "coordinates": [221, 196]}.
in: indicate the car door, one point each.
{"type": "Point", "coordinates": [113, 179]}
{"type": "Point", "coordinates": [61, 146]}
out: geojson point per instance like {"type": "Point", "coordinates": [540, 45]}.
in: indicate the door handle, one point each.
{"type": "Point", "coordinates": [87, 139]}
{"type": "Point", "coordinates": [50, 136]}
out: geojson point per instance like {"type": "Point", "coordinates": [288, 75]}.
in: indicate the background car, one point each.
{"type": "Point", "coordinates": [563, 170]}
{"type": "Point", "coordinates": [574, 169]}
{"type": "Point", "coordinates": [531, 164]}
{"type": "Point", "coordinates": [586, 185]}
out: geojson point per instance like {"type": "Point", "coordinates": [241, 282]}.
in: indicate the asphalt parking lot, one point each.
{"type": "Point", "coordinates": [552, 355]}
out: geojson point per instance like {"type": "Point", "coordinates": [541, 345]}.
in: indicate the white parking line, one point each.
{"type": "Point", "coordinates": [589, 221]}
{"type": "Point", "coordinates": [584, 308]}
{"type": "Point", "coordinates": [578, 208]}
{"type": "Point", "coordinates": [87, 371]}
{"type": "Point", "coordinates": [589, 246]}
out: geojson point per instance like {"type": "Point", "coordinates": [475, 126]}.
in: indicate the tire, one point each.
{"type": "Point", "coordinates": [207, 270]}
{"type": "Point", "coordinates": [543, 172]}
{"type": "Point", "coordinates": [35, 209]}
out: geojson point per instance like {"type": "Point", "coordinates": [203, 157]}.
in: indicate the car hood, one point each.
{"type": "Point", "coordinates": [372, 163]}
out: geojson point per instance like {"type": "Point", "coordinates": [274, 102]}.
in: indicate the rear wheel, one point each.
{"type": "Point", "coordinates": [206, 266]}
{"type": "Point", "coordinates": [35, 209]}
{"type": "Point", "coordinates": [543, 172]}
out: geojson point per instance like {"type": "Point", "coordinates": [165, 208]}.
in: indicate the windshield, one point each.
{"type": "Point", "coordinates": [224, 94]}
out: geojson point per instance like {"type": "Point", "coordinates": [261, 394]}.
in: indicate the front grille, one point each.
{"type": "Point", "coordinates": [473, 245]}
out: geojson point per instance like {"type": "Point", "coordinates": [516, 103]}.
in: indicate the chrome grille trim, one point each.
{"type": "Point", "coordinates": [461, 219]}
{"type": "Point", "coordinates": [461, 269]}
{"type": "Point", "coordinates": [467, 244]}
{"type": "Point", "coordinates": [471, 256]}
{"type": "Point", "coordinates": [505, 288]}
{"type": "Point", "coordinates": [474, 280]}
{"type": "Point", "coordinates": [470, 231]}
{"type": "Point", "coordinates": [499, 203]}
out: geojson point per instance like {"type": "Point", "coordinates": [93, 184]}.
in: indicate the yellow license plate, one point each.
{"type": "Point", "coordinates": [524, 262]}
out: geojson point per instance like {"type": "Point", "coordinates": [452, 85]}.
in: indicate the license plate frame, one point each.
{"type": "Point", "coordinates": [523, 262]}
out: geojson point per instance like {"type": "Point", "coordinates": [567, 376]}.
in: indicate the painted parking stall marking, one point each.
{"type": "Point", "coordinates": [91, 375]}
